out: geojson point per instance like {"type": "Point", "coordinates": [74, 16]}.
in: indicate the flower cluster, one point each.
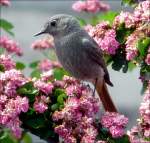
{"type": "Point", "coordinates": [11, 104]}
{"type": "Point", "coordinates": [78, 114]}
{"type": "Point", "coordinates": [10, 46]}
{"type": "Point", "coordinates": [46, 65]}
{"type": "Point", "coordinates": [115, 123]}
{"type": "Point", "coordinates": [92, 6]}
{"type": "Point", "coordinates": [140, 15]}
{"type": "Point", "coordinates": [104, 36]}
{"type": "Point", "coordinates": [5, 2]}
{"type": "Point", "coordinates": [42, 44]}
{"type": "Point", "coordinates": [131, 43]}
{"type": "Point", "coordinates": [46, 88]}
{"type": "Point", "coordinates": [7, 62]}
{"type": "Point", "coordinates": [141, 132]}
{"type": "Point", "coordinates": [138, 20]}
{"type": "Point", "coordinates": [40, 104]}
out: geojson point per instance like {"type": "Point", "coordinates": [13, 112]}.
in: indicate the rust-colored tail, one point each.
{"type": "Point", "coordinates": [105, 97]}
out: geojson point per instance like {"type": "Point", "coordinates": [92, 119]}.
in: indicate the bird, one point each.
{"type": "Point", "coordinates": [79, 54]}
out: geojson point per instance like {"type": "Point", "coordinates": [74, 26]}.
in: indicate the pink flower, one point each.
{"type": "Point", "coordinates": [109, 43]}
{"type": "Point", "coordinates": [79, 6]}
{"type": "Point", "coordinates": [147, 60]}
{"type": "Point", "coordinates": [115, 123]}
{"type": "Point", "coordinates": [62, 131]}
{"type": "Point", "coordinates": [43, 86]}
{"type": "Point", "coordinates": [142, 12]}
{"type": "Point", "coordinates": [144, 108]}
{"type": "Point", "coordinates": [141, 131]}
{"type": "Point", "coordinates": [40, 104]}
{"type": "Point", "coordinates": [116, 131]}
{"type": "Point", "coordinates": [104, 37]}
{"type": "Point", "coordinates": [46, 43]}
{"type": "Point", "coordinates": [92, 6]}
{"type": "Point", "coordinates": [46, 65]}
{"type": "Point", "coordinates": [131, 43]}
{"type": "Point", "coordinates": [40, 107]}
{"type": "Point", "coordinates": [127, 18]}
{"type": "Point", "coordinates": [5, 2]}
{"type": "Point", "coordinates": [10, 111]}
{"type": "Point", "coordinates": [10, 46]}
{"type": "Point", "coordinates": [6, 61]}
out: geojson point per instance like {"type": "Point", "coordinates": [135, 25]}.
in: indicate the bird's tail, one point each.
{"type": "Point", "coordinates": [105, 97]}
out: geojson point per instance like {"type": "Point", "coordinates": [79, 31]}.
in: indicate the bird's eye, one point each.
{"type": "Point", "coordinates": [53, 23]}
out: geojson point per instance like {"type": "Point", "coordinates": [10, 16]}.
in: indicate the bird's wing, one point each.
{"type": "Point", "coordinates": [96, 54]}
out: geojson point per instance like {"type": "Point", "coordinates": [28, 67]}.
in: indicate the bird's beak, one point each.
{"type": "Point", "coordinates": [40, 33]}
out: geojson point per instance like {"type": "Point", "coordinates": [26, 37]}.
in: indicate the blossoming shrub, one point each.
{"type": "Point", "coordinates": [51, 104]}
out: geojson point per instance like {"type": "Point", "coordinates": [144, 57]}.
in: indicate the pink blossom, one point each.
{"type": "Point", "coordinates": [78, 114]}
{"type": "Point", "coordinates": [79, 6]}
{"type": "Point", "coordinates": [42, 44]}
{"type": "Point", "coordinates": [40, 107]}
{"type": "Point", "coordinates": [142, 12]}
{"type": "Point", "coordinates": [147, 60]}
{"type": "Point", "coordinates": [127, 18]}
{"type": "Point", "coordinates": [104, 37]}
{"type": "Point", "coordinates": [92, 6]}
{"type": "Point", "coordinates": [62, 131]}
{"type": "Point", "coordinates": [10, 111]}
{"type": "Point", "coordinates": [43, 86]}
{"type": "Point", "coordinates": [141, 131]}
{"type": "Point", "coordinates": [6, 61]}
{"type": "Point", "coordinates": [109, 43]}
{"type": "Point", "coordinates": [40, 104]}
{"type": "Point", "coordinates": [116, 131]}
{"type": "Point", "coordinates": [144, 107]}
{"type": "Point", "coordinates": [131, 43]}
{"type": "Point", "coordinates": [10, 46]}
{"type": "Point", "coordinates": [5, 2]}
{"type": "Point", "coordinates": [115, 123]}
{"type": "Point", "coordinates": [46, 65]}
{"type": "Point", "coordinates": [113, 119]}
{"type": "Point", "coordinates": [10, 81]}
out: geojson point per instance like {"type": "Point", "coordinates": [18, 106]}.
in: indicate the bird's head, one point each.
{"type": "Point", "coordinates": [60, 25]}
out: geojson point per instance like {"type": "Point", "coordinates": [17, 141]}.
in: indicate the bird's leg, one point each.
{"type": "Point", "coordinates": [95, 87]}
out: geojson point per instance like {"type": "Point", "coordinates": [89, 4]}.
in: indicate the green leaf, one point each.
{"type": "Point", "coordinates": [36, 73]}
{"type": "Point", "coordinates": [36, 123]}
{"type": "Point", "coordinates": [59, 73]}
{"type": "Point", "coordinates": [123, 139]}
{"type": "Point", "coordinates": [129, 2]}
{"type": "Point", "coordinates": [144, 87]}
{"type": "Point", "coordinates": [26, 138]}
{"type": "Point", "coordinates": [108, 16]}
{"type": "Point", "coordinates": [2, 68]}
{"type": "Point", "coordinates": [28, 90]}
{"type": "Point", "coordinates": [6, 137]}
{"type": "Point", "coordinates": [61, 98]}
{"type": "Point", "coordinates": [33, 65]}
{"type": "Point", "coordinates": [122, 33]}
{"type": "Point", "coordinates": [82, 22]}
{"type": "Point", "coordinates": [55, 107]}
{"type": "Point", "coordinates": [131, 66]}
{"type": "Point", "coordinates": [2, 50]}
{"type": "Point", "coordinates": [143, 45]}
{"type": "Point", "coordinates": [59, 91]}
{"type": "Point", "coordinates": [20, 66]}
{"type": "Point", "coordinates": [7, 26]}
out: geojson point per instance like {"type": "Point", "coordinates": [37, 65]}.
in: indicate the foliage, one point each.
{"type": "Point", "coordinates": [52, 95]}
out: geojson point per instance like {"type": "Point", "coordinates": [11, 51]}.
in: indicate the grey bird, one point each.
{"type": "Point", "coordinates": [79, 54]}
